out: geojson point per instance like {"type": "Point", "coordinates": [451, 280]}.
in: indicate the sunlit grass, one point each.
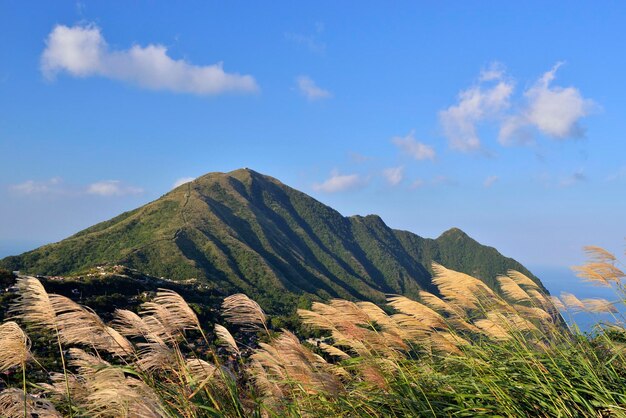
{"type": "Point", "coordinates": [468, 351]}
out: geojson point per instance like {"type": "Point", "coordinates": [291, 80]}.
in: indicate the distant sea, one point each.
{"type": "Point", "coordinates": [563, 279]}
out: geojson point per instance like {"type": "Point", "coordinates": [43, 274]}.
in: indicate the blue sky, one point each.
{"type": "Point", "coordinates": [506, 120]}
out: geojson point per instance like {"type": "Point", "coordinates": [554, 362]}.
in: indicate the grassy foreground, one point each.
{"type": "Point", "coordinates": [467, 352]}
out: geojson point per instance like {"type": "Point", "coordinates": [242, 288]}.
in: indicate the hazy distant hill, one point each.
{"type": "Point", "coordinates": [244, 231]}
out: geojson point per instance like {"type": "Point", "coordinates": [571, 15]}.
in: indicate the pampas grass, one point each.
{"type": "Point", "coordinates": [463, 350]}
{"type": "Point", "coordinates": [14, 346]}
{"type": "Point", "coordinates": [239, 309]}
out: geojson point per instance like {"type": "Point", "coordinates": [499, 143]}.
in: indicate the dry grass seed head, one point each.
{"type": "Point", "coordinates": [493, 329]}
{"type": "Point", "coordinates": [422, 313]}
{"type": "Point", "coordinates": [241, 310]}
{"type": "Point", "coordinates": [153, 356]}
{"type": "Point", "coordinates": [172, 311]}
{"type": "Point", "coordinates": [112, 395]}
{"type": "Point", "coordinates": [556, 302]}
{"type": "Point", "coordinates": [333, 351]}
{"type": "Point", "coordinates": [80, 325]}
{"type": "Point", "coordinates": [33, 304]}
{"type": "Point", "coordinates": [130, 324]}
{"type": "Point", "coordinates": [440, 305]}
{"type": "Point", "coordinates": [572, 302]}
{"type": "Point", "coordinates": [599, 305]}
{"type": "Point", "coordinates": [599, 254]}
{"type": "Point", "coordinates": [522, 279]}
{"type": "Point", "coordinates": [14, 346]}
{"type": "Point", "coordinates": [512, 291]}
{"type": "Point", "coordinates": [57, 388]}
{"type": "Point", "coordinates": [599, 273]}
{"type": "Point", "coordinates": [288, 361]}
{"type": "Point", "coordinates": [463, 290]}
{"type": "Point", "coordinates": [200, 371]}
{"type": "Point", "coordinates": [226, 339]}
{"type": "Point", "coordinates": [12, 405]}
{"type": "Point", "coordinates": [446, 343]}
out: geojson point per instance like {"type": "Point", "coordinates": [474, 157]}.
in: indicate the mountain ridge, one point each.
{"type": "Point", "coordinates": [245, 231]}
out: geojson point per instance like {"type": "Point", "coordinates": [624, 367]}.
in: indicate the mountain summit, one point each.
{"type": "Point", "coordinates": [245, 231]}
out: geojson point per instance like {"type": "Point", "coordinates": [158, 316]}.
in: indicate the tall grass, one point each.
{"type": "Point", "coordinates": [468, 350]}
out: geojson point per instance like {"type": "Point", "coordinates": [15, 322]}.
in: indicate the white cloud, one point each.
{"type": "Point", "coordinates": [338, 183]}
{"type": "Point", "coordinates": [495, 71]}
{"type": "Point", "coordinates": [553, 111]}
{"type": "Point", "coordinates": [310, 90]}
{"type": "Point", "coordinates": [112, 188]}
{"type": "Point", "coordinates": [394, 175]}
{"type": "Point", "coordinates": [310, 41]}
{"type": "Point", "coordinates": [490, 181]}
{"type": "Point", "coordinates": [485, 100]}
{"type": "Point", "coordinates": [413, 148]}
{"type": "Point", "coordinates": [182, 181]}
{"type": "Point", "coordinates": [82, 51]}
{"type": "Point", "coordinates": [32, 187]}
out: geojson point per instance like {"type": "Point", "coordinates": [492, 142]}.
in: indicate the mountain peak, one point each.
{"type": "Point", "coordinates": [454, 232]}
{"type": "Point", "coordinates": [243, 231]}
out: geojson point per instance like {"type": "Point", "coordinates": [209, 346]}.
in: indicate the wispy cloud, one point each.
{"type": "Point", "coordinates": [181, 181]}
{"type": "Point", "coordinates": [33, 187]}
{"type": "Point", "coordinates": [553, 111]}
{"type": "Point", "coordinates": [310, 41]}
{"type": "Point", "coordinates": [394, 175]}
{"type": "Point", "coordinates": [413, 148]}
{"type": "Point", "coordinates": [490, 181]}
{"type": "Point", "coordinates": [307, 87]}
{"type": "Point", "coordinates": [485, 100]}
{"type": "Point", "coordinates": [339, 182]}
{"type": "Point", "coordinates": [112, 188]}
{"type": "Point", "coordinates": [56, 186]}
{"type": "Point", "coordinates": [82, 51]}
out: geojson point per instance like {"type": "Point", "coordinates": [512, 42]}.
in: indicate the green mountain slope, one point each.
{"type": "Point", "coordinates": [244, 231]}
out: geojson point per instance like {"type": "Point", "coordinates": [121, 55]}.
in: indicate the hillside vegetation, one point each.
{"type": "Point", "coordinates": [470, 352]}
{"type": "Point", "coordinates": [246, 232]}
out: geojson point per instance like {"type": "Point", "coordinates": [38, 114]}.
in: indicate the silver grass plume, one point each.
{"type": "Point", "coordinates": [14, 346]}
{"type": "Point", "coordinates": [226, 339]}
{"type": "Point", "coordinates": [239, 309]}
{"type": "Point", "coordinates": [12, 405]}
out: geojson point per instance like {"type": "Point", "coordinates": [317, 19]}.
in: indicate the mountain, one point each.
{"type": "Point", "coordinates": [245, 231]}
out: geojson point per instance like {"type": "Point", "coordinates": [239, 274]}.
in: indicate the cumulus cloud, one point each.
{"type": "Point", "coordinates": [82, 51]}
{"type": "Point", "coordinates": [112, 188]}
{"type": "Point", "coordinates": [394, 175]}
{"type": "Point", "coordinates": [490, 181]}
{"type": "Point", "coordinates": [338, 183]}
{"type": "Point", "coordinates": [413, 148]}
{"type": "Point", "coordinates": [32, 187]}
{"type": "Point", "coordinates": [552, 110]}
{"type": "Point", "coordinates": [485, 100]}
{"type": "Point", "coordinates": [181, 181]}
{"type": "Point", "coordinates": [310, 90]}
